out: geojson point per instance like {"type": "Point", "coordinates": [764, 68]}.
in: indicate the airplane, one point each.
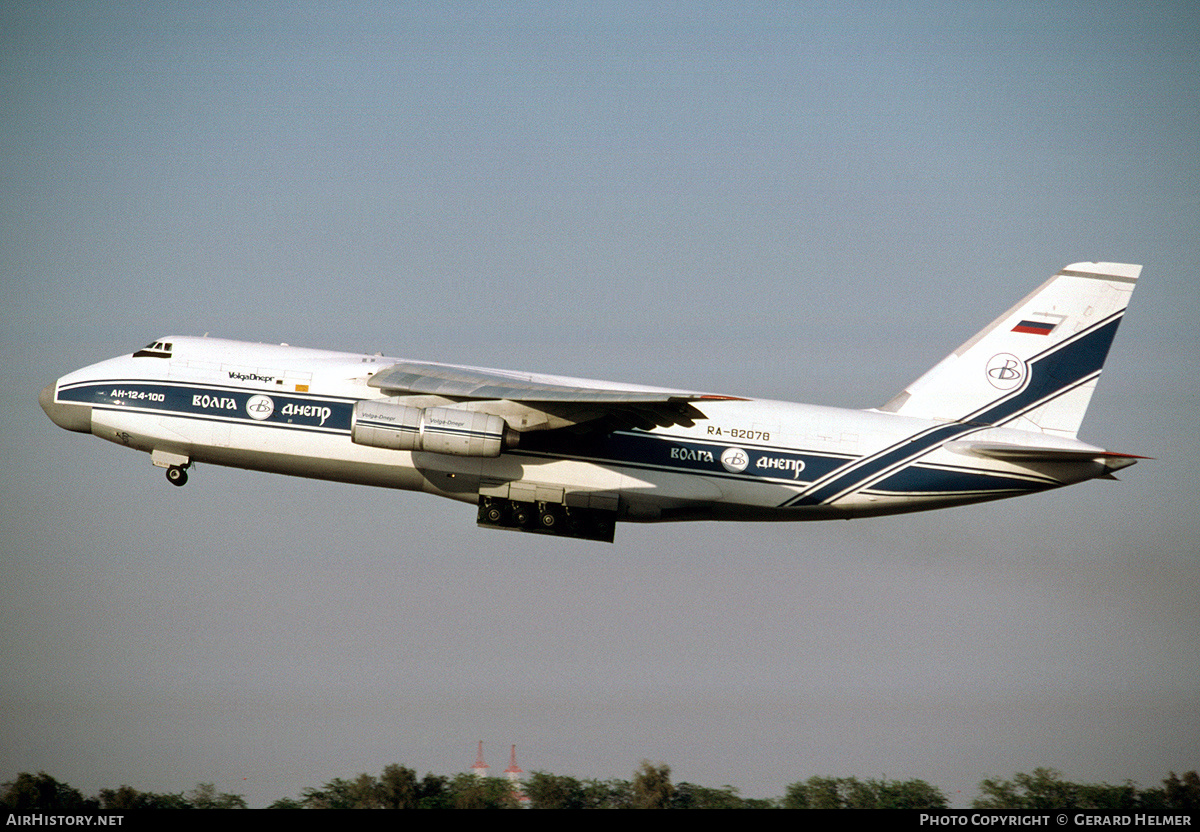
{"type": "Point", "coordinates": [996, 418]}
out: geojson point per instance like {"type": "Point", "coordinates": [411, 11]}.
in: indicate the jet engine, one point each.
{"type": "Point", "coordinates": [439, 430]}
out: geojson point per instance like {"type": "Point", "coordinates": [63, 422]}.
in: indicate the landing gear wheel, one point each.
{"type": "Point", "coordinates": [176, 475]}
{"type": "Point", "coordinates": [521, 516]}
{"type": "Point", "coordinates": [494, 514]}
{"type": "Point", "coordinates": [548, 517]}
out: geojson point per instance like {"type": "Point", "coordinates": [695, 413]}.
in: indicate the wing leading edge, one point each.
{"type": "Point", "coordinates": [562, 400]}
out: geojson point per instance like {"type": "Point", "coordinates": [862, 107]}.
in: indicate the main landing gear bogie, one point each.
{"type": "Point", "coordinates": [547, 518]}
{"type": "Point", "coordinates": [177, 475]}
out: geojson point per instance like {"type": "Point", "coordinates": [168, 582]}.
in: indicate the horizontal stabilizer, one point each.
{"type": "Point", "coordinates": [1030, 453]}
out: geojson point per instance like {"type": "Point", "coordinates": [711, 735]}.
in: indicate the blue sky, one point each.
{"type": "Point", "coordinates": [810, 202]}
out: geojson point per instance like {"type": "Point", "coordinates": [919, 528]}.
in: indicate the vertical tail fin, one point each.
{"type": "Point", "coordinates": [1035, 366]}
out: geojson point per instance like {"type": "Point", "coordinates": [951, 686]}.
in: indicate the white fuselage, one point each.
{"type": "Point", "coordinates": [287, 410]}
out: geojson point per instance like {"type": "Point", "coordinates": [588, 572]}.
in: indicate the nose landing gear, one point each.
{"type": "Point", "coordinates": [175, 463]}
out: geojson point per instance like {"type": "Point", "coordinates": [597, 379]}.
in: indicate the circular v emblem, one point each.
{"type": "Point", "coordinates": [1005, 371]}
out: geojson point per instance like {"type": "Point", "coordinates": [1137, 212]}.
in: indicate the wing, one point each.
{"type": "Point", "coordinates": [539, 402]}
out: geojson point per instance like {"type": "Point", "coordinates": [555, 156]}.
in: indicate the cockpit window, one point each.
{"type": "Point", "coordinates": [155, 349]}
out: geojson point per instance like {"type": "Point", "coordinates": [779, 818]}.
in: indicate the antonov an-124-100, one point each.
{"type": "Point", "coordinates": [996, 418]}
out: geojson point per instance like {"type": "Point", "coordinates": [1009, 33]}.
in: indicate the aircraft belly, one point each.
{"type": "Point", "coordinates": [657, 495]}
{"type": "Point", "coordinates": [266, 448]}
{"type": "Point", "coordinates": [875, 505]}
{"type": "Point", "coordinates": [359, 469]}
{"type": "Point", "coordinates": [930, 485]}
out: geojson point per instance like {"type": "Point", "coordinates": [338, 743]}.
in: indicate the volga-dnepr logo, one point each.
{"type": "Point", "coordinates": [735, 460]}
{"type": "Point", "coordinates": [251, 377]}
{"type": "Point", "coordinates": [1005, 371]}
{"type": "Point", "coordinates": [260, 407]}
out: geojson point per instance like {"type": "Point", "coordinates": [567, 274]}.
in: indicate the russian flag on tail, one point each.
{"type": "Point", "coordinates": [1035, 327]}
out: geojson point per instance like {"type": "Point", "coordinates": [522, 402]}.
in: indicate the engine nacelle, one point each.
{"type": "Point", "coordinates": [439, 430]}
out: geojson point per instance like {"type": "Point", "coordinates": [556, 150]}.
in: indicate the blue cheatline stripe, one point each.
{"type": "Point", "coordinates": [919, 479]}
{"type": "Point", "coordinates": [868, 469]}
{"type": "Point", "coordinates": [1051, 373]}
{"type": "Point", "coordinates": [219, 403]}
{"type": "Point", "coordinates": [686, 455]}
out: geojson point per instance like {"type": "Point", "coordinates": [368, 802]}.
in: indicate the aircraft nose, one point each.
{"type": "Point", "coordinates": [76, 417]}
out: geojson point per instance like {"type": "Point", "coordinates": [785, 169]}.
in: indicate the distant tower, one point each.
{"type": "Point", "coordinates": [480, 768]}
{"type": "Point", "coordinates": [514, 773]}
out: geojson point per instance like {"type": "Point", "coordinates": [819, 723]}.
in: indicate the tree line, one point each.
{"type": "Point", "coordinates": [651, 787]}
